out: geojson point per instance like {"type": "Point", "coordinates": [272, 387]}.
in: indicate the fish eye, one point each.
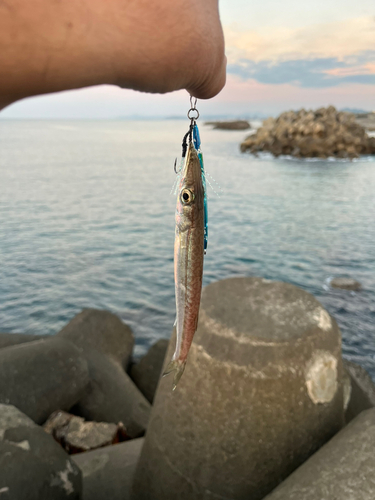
{"type": "Point", "coordinates": [187, 196]}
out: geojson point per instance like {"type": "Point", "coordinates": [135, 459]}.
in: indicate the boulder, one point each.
{"type": "Point", "coordinates": [9, 339]}
{"type": "Point", "coordinates": [230, 125]}
{"type": "Point", "coordinates": [344, 468]}
{"type": "Point", "coordinates": [345, 284]}
{"type": "Point", "coordinates": [113, 397]}
{"type": "Point", "coordinates": [76, 436]}
{"type": "Point", "coordinates": [42, 376]}
{"type": "Point", "coordinates": [362, 390]}
{"type": "Point", "coordinates": [108, 472]}
{"type": "Point", "coordinates": [146, 372]}
{"type": "Point", "coordinates": [312, 134]}
{"type": "Point", "coordinates": [101, 331]}
{"type": "Point", "coordinates": [32, 465]}
{"type": "Point", "coordinates": [261, 392]}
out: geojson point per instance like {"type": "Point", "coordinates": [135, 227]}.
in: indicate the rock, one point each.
{"type": "Point", "coordinates": [366, 120]}
{"type": "Point", "coordinates": [345, 284]}
{"type": "Point", "coordinates": [101, 331]}
{"type": "Point", "coordinates": [307, 134]}
{"type": "Point", "coordinates": [261, 392]}
{"type": "Point", "coordinates": [32, 465]}
{"type": "Point", "coordinates": [42, 376]}
{"type": "Point", "coordinates": [344, 468]}
{"type": "Point", "coordinates": [112, 397]}
{"type": "Point", "coordinates": [362, 393]}
{"type": "Point", "coordinates": [108, 472]}
{"type": "Point", "coordinates": [230, 125]}
{"type": "Point", "coordinates": [147, 372]}
{"type": "Point", "coordinates": [75, 435]}
{"type": "Point", "coordinates": [9, 339]}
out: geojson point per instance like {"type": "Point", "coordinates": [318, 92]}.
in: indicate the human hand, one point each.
{"type": "Point", "coordinates": [151, 46]}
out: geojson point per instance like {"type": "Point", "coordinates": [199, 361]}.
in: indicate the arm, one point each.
{"type": "Point", "coordinates": [148, 45]}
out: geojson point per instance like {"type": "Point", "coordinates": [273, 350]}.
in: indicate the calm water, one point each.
{"type": "Point", "coordinates": [87, 220]}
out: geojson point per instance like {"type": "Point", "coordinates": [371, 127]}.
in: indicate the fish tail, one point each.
{"type": "Point", "coordinates": [177, 366]}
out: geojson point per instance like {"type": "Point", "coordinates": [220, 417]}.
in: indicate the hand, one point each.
{"type": "Point", "coordinates": [151, 46]}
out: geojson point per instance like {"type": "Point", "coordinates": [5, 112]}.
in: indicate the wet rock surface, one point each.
{"type": "Point", "coordinates": [101, 331]}
{"type": "Point", "coordinates": [261, 392]}
{"type": "Point", "coordinates": [346, 284]}
{"type": "Point", "coordinates": [230, 125]}
{"type": "Point", "coordinates": [76, 436]}
{"type": "Point", "coordinates": [112, 396]}
{"type": "Point", "coordinates": [108, 472]}
{"type": "Point", "coordinates": [42, 376]}
{"type": "Point", "coordinates": [147, 371]}
{"type": "Point", "coordinates": [312, 134]}
{"type": "Point", "coordinates": [343, 468]}
{"type": "Point", "coordinates": [32, 465]}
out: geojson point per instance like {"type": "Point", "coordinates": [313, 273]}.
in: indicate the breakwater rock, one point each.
{"type": "Point", "coordinates": [261, 392]}
{"type": "Point", "coordinates": [264, 387]}
{"type": "Point", "coordinates": [322, 134]}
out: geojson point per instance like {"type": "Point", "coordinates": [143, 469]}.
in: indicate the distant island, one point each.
{"type": "Point", "coordinates": [323, 133]}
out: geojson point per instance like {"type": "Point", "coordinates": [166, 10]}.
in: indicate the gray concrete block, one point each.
{"type": "Point", "coordinates": [261, 392]}
{"type": "Point", "coordinates": [343, 469]}
{"type": "Point", "coordinates": [112, 396]}
{"type": "Point", "coordinates": [147, 371]}
{"type": "Point", "coordinates": [32, 465]}
{"type": "Point", "coordinates": [362, 390]}
{"type": "Point", "coordinates": [108, 472]}
{"type": "Point", "coordinates": [101, 331]}
{"type": "Point", "coordinates": [42, 376]}
{"type": "Point", "coordinates": [9, 339]}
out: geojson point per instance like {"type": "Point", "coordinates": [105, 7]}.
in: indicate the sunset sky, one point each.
{"type": "Point", "coordinates": [281, 55]}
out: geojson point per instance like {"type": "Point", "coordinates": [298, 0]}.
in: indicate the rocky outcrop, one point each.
{"type": "Point", "coordinates": [312, 134]}
{"type": "Point", "coordinates": [346, 284]}
{"type": "Point", "coordinates": [230, 125]}
{"type": "Point", "coordinates": [366, 120]}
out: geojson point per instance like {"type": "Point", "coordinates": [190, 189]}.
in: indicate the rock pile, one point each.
{"type": "Point", "coordinates": [262, 391]}
{"type": "Point", "coordinates": [312, 134]}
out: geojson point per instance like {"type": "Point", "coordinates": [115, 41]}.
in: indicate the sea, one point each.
{"type": "Point", "coordinates": [87, 220]}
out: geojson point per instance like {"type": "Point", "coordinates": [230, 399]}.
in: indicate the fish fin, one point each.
{"type": "Point", "coordinates": [178, 366]}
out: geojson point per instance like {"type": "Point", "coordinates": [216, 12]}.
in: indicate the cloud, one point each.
{"type": "Point", "coordinates": [314, 72]}
{"type": "Point", "coordinates": [320, 41]}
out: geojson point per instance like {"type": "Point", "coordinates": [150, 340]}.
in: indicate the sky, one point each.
{"type": "Point", "coordinates": [281, 55]}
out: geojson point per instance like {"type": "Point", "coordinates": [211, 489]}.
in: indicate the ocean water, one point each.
{"type": "Point", "coordinates": [87, 220]}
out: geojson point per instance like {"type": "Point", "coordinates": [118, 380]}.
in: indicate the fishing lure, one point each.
{"type": "Point", "coordinates": [191, 237]}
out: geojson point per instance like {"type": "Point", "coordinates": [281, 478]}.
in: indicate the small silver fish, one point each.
{"type": "Point", "coordinates": [188, 259]}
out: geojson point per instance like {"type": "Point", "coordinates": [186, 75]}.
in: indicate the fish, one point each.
{"type": "Point", "coordinates": [189, 249]}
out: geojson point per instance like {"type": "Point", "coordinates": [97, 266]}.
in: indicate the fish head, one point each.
{"type": "Point", "coordinates": [190, 199]}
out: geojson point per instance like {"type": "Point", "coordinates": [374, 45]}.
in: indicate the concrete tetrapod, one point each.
{"type": "Point", "coordinates": [261, 392]}
{"type": "Point", "coordinates": [343, 469]}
